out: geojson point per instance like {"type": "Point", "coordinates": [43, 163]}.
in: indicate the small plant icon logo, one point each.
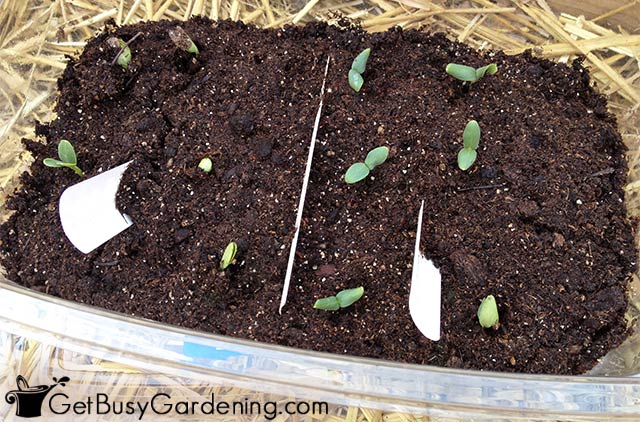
{"type": "Point", "coordinates": [29, 399]}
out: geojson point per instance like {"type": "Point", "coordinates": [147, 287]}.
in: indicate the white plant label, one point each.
{"type": "Point", "coordinates": [424, 296]}
{"type": "Point", "coordinates": [88, 212]}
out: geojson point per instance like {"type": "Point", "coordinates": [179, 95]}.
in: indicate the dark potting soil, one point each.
{"type": "Point", "coordinates": [538, 221]}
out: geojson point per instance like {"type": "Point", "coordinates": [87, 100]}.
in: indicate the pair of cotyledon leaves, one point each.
{"type": "Point", "coordinates": [67, 156]}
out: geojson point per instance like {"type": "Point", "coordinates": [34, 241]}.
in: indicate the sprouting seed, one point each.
{"type": "Point", "coordinates": [468, 73]}
{"type": "Point", "coordinates": [471, 139]}
{"type": "Point", "coordinates": [183, 41]}
{"type": "Point", "coordinates": [358, 67]}
{"type": "Point", "coordinates": [67, 155]}
{"type": "Point", "coordinates": [206, 165]}
{"type": "Point", "coordinates": [488, 313]}
{"type": "Point", "coordinates": [343, 299]}
{"type": "Point", "coordinates": [228, 255]}
{"type": "Point", "coordinates": [124, 52]}
{"type": "Point", "coordinates": [359, 171]}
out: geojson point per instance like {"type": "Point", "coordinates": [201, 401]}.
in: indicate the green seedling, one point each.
{"type": "Point", "coordinates": [360, 171]}
{"type": "Point", "coordinates": [471, 139]}
{"type": "Point", "coordinates": [358, 67]}
{"type": "Point", "coordinates": [488, 313]}
{"type": "Point", "coordinates": [228, 255]}
{"type": "Point", "coordinates": [206, 165]}
{"type": "Point", "coordinates": [343, 299]}
{"type": "Point", "coordinates": [468, 73]}
{"type": "Point", "coordinates": [67, 156]}
{"type": "Point", "coordinates": [124, 52]}
{"type": "Point", "coordinates": [182, 40]}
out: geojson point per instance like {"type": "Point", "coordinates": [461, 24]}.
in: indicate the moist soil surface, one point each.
{"type": "Point", "coordinates": [538, 221]}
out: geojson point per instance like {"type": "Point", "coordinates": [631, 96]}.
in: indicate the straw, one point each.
{"type": "Point", "coordinates": [36, 35]}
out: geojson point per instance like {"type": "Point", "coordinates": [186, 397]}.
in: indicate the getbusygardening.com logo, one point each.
{"type": "Point", "coordinates": [29, 401]}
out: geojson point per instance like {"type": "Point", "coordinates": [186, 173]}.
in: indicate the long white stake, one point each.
{"type": "Point", "coordinates": [305, 183]}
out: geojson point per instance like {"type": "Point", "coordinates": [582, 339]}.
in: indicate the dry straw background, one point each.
{"type": "Point", "coordinates": [35, 37]}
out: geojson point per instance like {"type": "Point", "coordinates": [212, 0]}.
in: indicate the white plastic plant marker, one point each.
{"type": "Point", "coordinates": [88, 212]}
{"type": "Point", "coordinates": [424, 296]}
{"type": "Point", "coordinates": [303, 194]}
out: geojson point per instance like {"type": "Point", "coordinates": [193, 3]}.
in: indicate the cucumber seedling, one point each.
{"type": "Point", "coordinates": [183, 41]}
{"type": "Point", "coordinates": [67, 156]}
{"type": "Point", "coordinates": [358, 67]}
{"type": "Point", "coordinates": [471, 139]}
{"type": "Point", "coordinates": [488, 313]}
{"type": "Point", "coordinates": [359, 171]}
{"type": "Point", "coordinates": [470, 74]}
{"type": "Point", "coordinates": [229, 255]}
{"type": "Point", "coordinates": [123, 58]}
{"type": "Point", "coordinates": [343, 299]}
{"type": "Point", "coordinates": [206, 165]}
{"type": "Point", "coordinates": [124, 52]}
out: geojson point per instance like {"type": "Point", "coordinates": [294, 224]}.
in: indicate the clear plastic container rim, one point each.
{"type": "Point", "coordinates": [343, 380]}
